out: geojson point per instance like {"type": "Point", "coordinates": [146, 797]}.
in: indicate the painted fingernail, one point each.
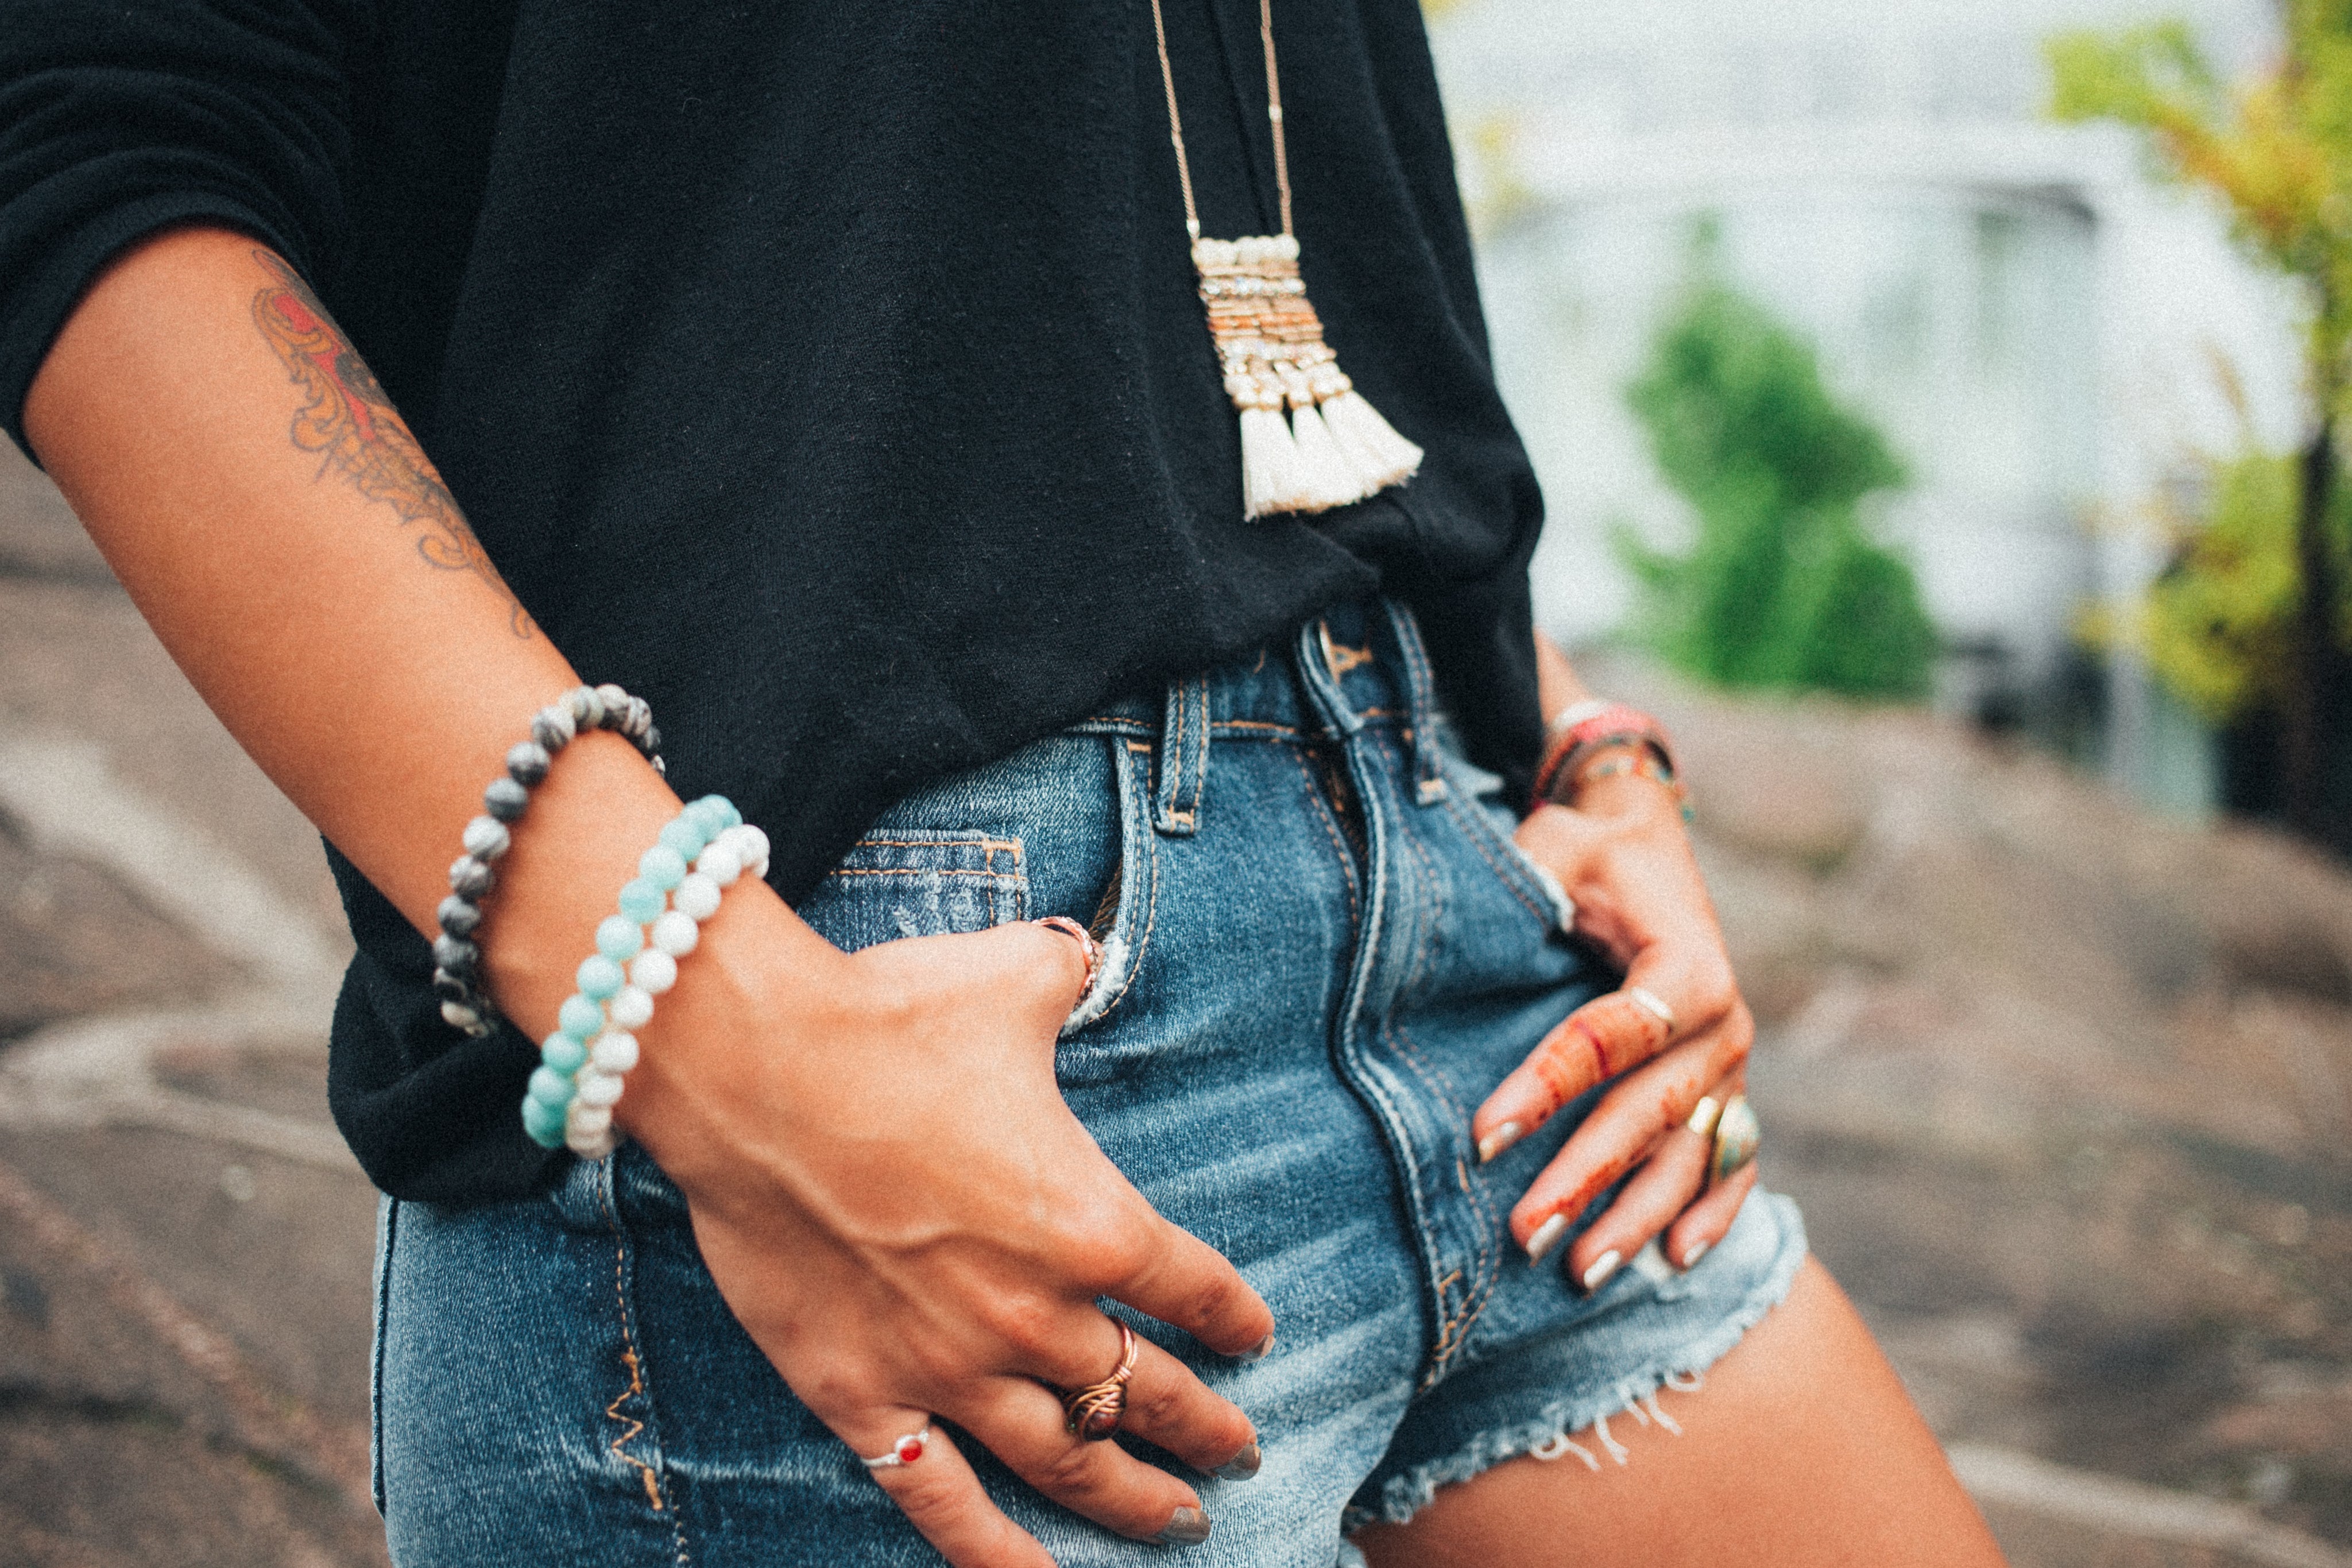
{"type": "Point", "coordinates": [1189, 1528]}
{"type": "Point", "coordinates": [1242, 1466]}
{"type": "Point", "coordinates": [1258, 1352]}
{"type": "Point", "coordinates": [1546, 1237]}
{"type": "Point", "coordinates": [1696, 1250]}
{"type": "Point", "coordinates": [1603, 1267]}
{"type": "Point", "coordinates": [1501, 1138]}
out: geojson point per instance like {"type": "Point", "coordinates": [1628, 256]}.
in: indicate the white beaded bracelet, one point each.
{"type": "Point", "coordinates": [582, 1064]}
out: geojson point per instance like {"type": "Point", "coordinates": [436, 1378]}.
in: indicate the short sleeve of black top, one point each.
{"type": "Point", "coordinates": [833, 376]}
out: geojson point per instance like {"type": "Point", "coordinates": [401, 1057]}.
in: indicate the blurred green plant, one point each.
{"type": "Point", "coordinates": [2240, 613]}
{"type": "Point", "coordinates": [2217, 626]}
{"type": "Point", "coordinates": [1782, 586]}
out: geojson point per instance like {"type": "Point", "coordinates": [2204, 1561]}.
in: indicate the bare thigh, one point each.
{"type": "Point", "coordinates": [1801, 1448]}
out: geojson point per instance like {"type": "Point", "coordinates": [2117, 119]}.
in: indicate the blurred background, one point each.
{"type": "Point", "coordinates": [1934, 405]}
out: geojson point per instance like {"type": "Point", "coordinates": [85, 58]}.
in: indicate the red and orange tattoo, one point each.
{"type": "Point", "coordinates": [351, 423]}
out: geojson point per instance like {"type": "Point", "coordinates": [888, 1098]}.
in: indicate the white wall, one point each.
{"type": "Point", "coordinates": [2035, 325]}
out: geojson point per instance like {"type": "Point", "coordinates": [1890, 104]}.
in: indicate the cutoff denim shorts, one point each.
{"type": "Point", "coordinates": [1323, 950]}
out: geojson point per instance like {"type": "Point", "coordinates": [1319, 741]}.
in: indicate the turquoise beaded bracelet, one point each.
{"type": "Point", "coordinates": [701, 851]}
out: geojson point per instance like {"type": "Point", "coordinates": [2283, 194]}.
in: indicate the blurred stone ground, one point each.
{"type": "Point", "coordinates": [2066, 1093]}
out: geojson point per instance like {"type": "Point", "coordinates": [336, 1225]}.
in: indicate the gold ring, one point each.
{"type": "Point", "coordinates": [1092, 1413]}
{"type": "Point", "coordinates": [1703, 1116]}
{"type": "Point", "coordinates": [1086, 941]}
{"type": "Point", "coordinates": [1736, 1134]}
{"type": "Point", "coordinates": [1650, 1002]}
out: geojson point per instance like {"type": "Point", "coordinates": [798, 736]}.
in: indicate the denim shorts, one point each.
{"type": "Point", "coordinates": [1323, 950]}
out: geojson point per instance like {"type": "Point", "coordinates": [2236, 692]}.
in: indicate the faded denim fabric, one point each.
{"type": "Point", "coordinates": [1323, 949]}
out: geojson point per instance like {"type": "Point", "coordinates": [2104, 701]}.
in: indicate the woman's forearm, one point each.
{"type": "Point", "coordinates": [298, 556]}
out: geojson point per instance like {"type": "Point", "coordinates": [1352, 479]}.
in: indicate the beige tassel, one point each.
{"type": "Point", "coordinates": [1380, 454]}
{"type": "Point", "coordinates": [1269, 463]}
{"type": "Point", "coordinates": [1333, 449]}
{"type": "Point", "coordinates": [1327, 479]}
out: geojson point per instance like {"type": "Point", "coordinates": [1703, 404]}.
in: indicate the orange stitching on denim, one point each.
{"type": "Point", "coordinates": [1450, 1335]}
{"type": "Point", "coordinates": [951, 841]}
{"type": "Point", "coordinates": [636, 1386]}
{"type": "Point", "coordinates": [1258, 724]}
{"type": "Point", "coordinates": [629, 1359]}
{"type": "Point", "coordinates": [1330, 826]}
{"type": "Point", "coordinates": [923, 871]}
{"type": "Point", "coordinates": [1454, 1333]}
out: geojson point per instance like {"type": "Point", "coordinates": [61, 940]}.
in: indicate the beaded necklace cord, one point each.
{"type": "Point", "coordinates": [1334, 448]}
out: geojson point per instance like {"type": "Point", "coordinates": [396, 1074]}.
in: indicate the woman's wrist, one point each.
{"type": "Point", "coordinates": [1629, 795]}
{"type": "Point", "coordinates": [760, 999]}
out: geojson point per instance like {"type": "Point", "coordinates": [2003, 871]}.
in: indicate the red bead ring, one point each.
{"type": "Point", "coordinates": [905, 1451]}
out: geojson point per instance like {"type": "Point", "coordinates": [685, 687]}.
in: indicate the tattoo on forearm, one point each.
{"type": "Point", "coordinates": [349, 421]}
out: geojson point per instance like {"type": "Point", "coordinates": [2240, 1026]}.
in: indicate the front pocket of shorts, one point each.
{"type": "Point", "coordinates": [920, 881]}
{"type": "Point", "coordinates": [1485, 818]}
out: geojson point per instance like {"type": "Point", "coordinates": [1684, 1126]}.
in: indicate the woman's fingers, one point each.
{"type": "Point", "coordinates": [1669, 995]}
{"type": "Point", "coordinates": [1166, 1404]}
{"type": "Point", "coordinates": [1594, 1043]}
{"type": "Point", "coordinates": [1182, 1281]}
{"type": "Point", "coordinates": [1709, 1220]}
{"type": "Point", "coordinates": [1669, 1179]}
{"type": "Point", "coordinates": [1624, 1127]}
{"type": "Point", "coordinates": [940, 1495]}
{"type": "Point", "coordinates": [1022, 1423]}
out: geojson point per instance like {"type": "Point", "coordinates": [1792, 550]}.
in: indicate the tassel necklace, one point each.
{"type": "Point", "coordinates": [1334, 447]}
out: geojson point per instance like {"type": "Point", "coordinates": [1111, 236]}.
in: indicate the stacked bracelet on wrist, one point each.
{"type": "Point", "coordinates": [578, 1081]}
{"type": "Point", "coordinates": [457, 951]}
{"type": "Point", "coordinates": [1580, 733]}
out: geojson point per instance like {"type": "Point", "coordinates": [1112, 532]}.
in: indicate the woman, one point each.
{"type": "Point", "coordinates": [1154, 1022]}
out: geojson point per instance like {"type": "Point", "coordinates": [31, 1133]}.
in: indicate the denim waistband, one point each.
{"type": "Point", "coordinates": [1353, 665]}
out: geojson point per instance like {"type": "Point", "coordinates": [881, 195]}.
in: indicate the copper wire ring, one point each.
{"type": "Point", "coordinates": [1092, 1413]}
{"type": "Point", "coordinates": [1084, 938]}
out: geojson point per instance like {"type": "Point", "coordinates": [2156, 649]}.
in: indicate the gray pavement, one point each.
{"type": "Point", "coordinates": [2064, 1092]}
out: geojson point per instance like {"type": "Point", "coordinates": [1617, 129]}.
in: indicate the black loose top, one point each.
{"type": "Point", "coordinates": [830, 374]}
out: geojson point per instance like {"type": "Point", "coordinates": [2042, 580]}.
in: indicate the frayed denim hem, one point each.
{"type": "Point", "coordinates": [1548, 1435]}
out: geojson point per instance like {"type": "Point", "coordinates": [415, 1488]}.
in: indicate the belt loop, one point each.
{"type": "Point", "coordinates": [1183, 758]}
{"type": "Point", "coordinates": [1428, 763]}
{"type": "Point", "coordinates": [1339, 718]}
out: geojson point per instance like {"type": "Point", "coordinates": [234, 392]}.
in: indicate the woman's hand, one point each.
{"type": "Point", "coordinates": [903, 1213]}
{"type": "Point", "coordinates": [1622, 855]}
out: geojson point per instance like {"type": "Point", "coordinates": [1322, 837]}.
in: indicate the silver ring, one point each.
{"type": "Point", "coordinates": [1650, 1002]}
{"type": "Point", "coordinates": [905, 1451]}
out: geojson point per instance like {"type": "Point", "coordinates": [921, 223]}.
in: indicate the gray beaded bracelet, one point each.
{"type": "Point", "coordinates": [457, 951]}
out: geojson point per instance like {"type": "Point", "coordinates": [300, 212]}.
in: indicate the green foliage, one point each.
{"type": "Point", "coordinates": [2220, 628]}
{"type": "Point", "coordinates": [2277, 149]}
{"type": "Point", "coordinates": [1782, 587]}
{"type": "Point", "coordinates": [2217, 628]}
